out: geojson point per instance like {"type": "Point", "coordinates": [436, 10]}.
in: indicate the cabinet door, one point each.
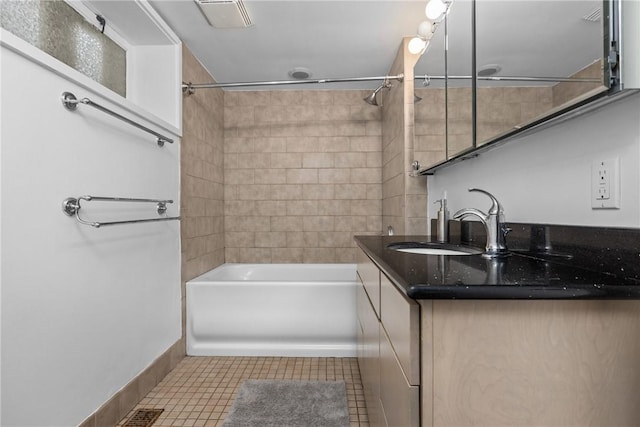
{"type": "Point", "coordinates": [368, 357]}
{"type": "Point", "coordinates": [400, 401]}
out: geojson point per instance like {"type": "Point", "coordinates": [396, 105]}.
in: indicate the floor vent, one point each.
{"type": "Point", "coordinates": [143, 418]}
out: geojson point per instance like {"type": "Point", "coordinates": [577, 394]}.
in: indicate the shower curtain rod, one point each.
{"type": "Point", "coordinates": [190, 88]}
{"type": "Point", "coordinates": [514, 79]}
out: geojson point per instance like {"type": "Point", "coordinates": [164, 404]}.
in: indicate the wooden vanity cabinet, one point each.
{"type": "Point", "coordinates": [502, 363]}
{"type": "Point", "coordinates": [388, 349]}
{"type": "Point", "coordinates": [533, 363]}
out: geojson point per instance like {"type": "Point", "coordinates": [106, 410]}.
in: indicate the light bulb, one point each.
{"type": "Point", "coordinates": [435, 9]}
{"type": "Point", "coordinates": [425, 29]}
{"type": "Point", "coordinates": [416, 45]}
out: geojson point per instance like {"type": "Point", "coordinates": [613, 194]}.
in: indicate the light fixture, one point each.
{"type": "Point", "coordinates": [426, 29]}
{"type": "Point", "coordinates": [417, 45]}
{"type": "Point", "coordinates": [435, 9]}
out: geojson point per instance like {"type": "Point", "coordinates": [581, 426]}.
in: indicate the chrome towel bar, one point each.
{"type": "Point", "coordinates": [71, 206]}
{"type": "Point", "coordinates": [70, 102]}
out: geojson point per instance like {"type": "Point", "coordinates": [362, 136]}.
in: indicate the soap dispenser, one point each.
{"type": "Point", "coordinates": [442, 227]}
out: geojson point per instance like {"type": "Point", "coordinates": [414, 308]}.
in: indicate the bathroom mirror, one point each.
{"type": "Point", "coordinates": [547, 56]}
{"type": "Point", "coordinates": [459, 52]}
{"type": "Point", "coordinates": [533, 60]}
{"type": "Point", "coordinates": [430, 138]}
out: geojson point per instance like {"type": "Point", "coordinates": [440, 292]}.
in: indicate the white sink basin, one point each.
{"type": "Point", "coordinates": [432, 248]}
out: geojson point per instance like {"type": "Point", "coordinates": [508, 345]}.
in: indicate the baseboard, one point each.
{"type": "Point", "coordinates": [116, 408]}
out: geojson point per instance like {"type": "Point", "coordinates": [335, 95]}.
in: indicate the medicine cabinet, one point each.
{"type": "Point", "coordinates": [496, 69]}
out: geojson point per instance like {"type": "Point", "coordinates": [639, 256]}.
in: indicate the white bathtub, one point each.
{"type": "Point", "coordinates": [297, 310]}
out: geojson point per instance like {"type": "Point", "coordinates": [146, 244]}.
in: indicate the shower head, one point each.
{"type": "Point", "coordinates": [373, 98]}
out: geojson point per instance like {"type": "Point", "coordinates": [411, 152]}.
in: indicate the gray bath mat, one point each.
{"type": "Point", "coordinates": [276, 403]}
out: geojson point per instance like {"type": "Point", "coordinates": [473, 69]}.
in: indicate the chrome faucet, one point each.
{"type": "Point", "coordinates": [493, 223]}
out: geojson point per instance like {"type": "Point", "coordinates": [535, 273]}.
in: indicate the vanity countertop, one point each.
{"type": "Point", "coordinates": [518, 276]}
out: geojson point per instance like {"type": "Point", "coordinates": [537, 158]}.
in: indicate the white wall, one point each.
{"type": "Point", "coordinates": [84, 310]}
{"type": "Point", "coordinates": [545, 177]}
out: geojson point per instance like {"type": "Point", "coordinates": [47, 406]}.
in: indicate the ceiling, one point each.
{"type": "Point", "coordinates": [360, 38]}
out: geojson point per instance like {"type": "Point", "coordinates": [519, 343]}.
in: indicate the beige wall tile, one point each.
{"type": "Point", "coordinates": [365, 143]}
{"type": "Point", "coordinates": [239, 239]}
{"type": "Point", "coordinates": [318, 192]}
{"type": "Point", "coordinates": [302, 207]}
{"type": "Point", "coordinates": [319, 255]}
{"type": "Point", "coordinates": [271, 176]}
{"type": "Point", "coordinates": [286, 160]}
{"type": "Point", "coordinates": [283, 192]}
{"type": "Point", "coordinates": [366, 207]}
{"type": "Point", "coordinates": [318, 160]}
{"type": "Point", "coordinates": [271, 207]}
{"type": "Point", "coordinates": [270, 239]}
{"type": "Point", "coordinates": [346, 255]}
{"type": "Point", "coordinates": [347, 223]}
{"type": "Point", "coordinates": [351, 192]}
{"type": "Point", "coordinates": [302, 176]}
{"type": "Point", "coordinates": [287, 255]}
{"type": "Point", "coordinates": [238, 145]}
{"type": "Point", "coordinates": [285, 223]}
{"type": "Point", "coordinates": [373, 128]}
{"type": "Point", "coordinates": [334, 239]}
{"type": "Point", "coordinates": [351, 128]}
{"type": "Point", "coordinates": [334, 176]}
{"type": "Point", "coordinates": [254, 192]}
{"type": "Point", "coordinates": [335, 207]}
{"type": "Point", "coordinates": [366, 175]}
{"type": "Point", "coordinates": [247, 223]}
{"type": "Point", "coordinates": [349, 97]}
{"type": "Point", "coordinates": [374, 159]}
{"type": "Point", "coordinates": [253, 161]}
{"type": "Point", "coordinates": [296, 169]}
{"type": "Point", "coordinates": [374, 191]}
{"type": "Point", "coordinates": [318, 223]}
{"type": "Point", "coordinates": [239, 207]}
{"type": "Point", "coordinates": [270, 145]}
{"type": "Point", "coordinates": [351, 160]}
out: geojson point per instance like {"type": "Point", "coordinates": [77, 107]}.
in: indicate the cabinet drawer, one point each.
{"type": "Point", "coordinates": [400, 400]}
{"type": "Point", "coordinates": [370, 276]}
{"type": "Point", "coordinates": [369, 356]}
{"type": "Point", "coordinates": [400, 317]}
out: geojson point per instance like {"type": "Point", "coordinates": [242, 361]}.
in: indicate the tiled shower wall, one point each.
{"type": "Point", "coordinates": [302, 173]}
{"type": "Point", "coordinates": [201, 175]}
{"type": "Point", "coordinates": [404, 197]}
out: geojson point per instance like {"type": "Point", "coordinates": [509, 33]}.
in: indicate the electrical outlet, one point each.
{"type": "Point", "coordinates": [605, 184]}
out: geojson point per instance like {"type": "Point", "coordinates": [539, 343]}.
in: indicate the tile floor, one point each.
{"type": "Point", "coordinates": [200, 390]}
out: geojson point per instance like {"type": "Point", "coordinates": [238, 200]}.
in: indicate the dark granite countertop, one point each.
{"type": "Point", "coordinates": [522, 275]}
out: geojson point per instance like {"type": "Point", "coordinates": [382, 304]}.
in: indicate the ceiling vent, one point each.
{"type": "Point", "coordinates": [225, 13]}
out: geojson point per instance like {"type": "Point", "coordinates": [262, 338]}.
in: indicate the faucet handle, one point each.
{"type": "Point", "coordinates": [496, 207]}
